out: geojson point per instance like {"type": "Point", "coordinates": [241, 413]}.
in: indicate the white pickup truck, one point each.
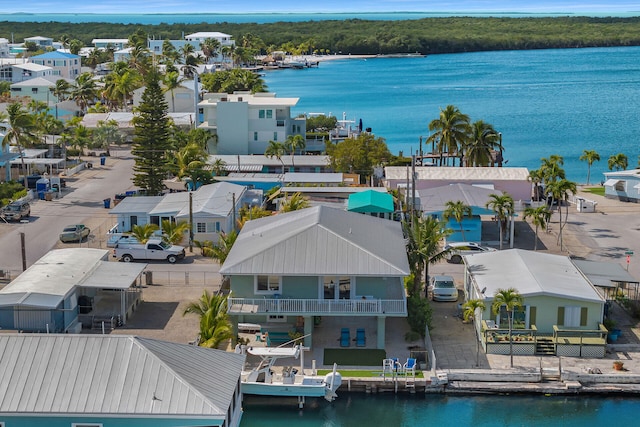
{"type": "Point", "coordinates": [154, 249]}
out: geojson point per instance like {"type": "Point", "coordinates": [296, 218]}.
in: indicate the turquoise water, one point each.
{"type": "Point", "coordinates": [544, 102]}
{"type": "Point", "coordinates": [262, 18]}
{"type": "Point", "coordinates": [443, 411]}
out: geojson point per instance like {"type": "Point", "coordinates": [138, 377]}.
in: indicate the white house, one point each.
{"type": "Point", "coordinates": [623, 185]}
{"type": "Point", "coordinates": [245, 123]}
{"type": "Point", "coordinates": [15, 71]}
{"type": "Point", "coordinates": [212, 207]}
{"type": "Point", "coordinates": [40, 41]}
{"type": "Point", "coordinates": [5, 50]}
{"type": "Point", "coordinates": [114, 43]}
{"type": "Point", "coordinates": [195, 40]}
{"type": "Point", "coordinates": [180, 100]}
{"type": "Point", "coordinates": [66, 64]}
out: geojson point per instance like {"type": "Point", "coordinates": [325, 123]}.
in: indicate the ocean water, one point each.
{"type": "Point", "coordinates": [443, 411]}
{"type": "Point", "coordinates": [263, 18]}
{"type": "Point", "coordinates": [544, 102]}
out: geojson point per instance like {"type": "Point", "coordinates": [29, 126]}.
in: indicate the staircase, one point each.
{"type": "Point", "coordinates": [545, 346]}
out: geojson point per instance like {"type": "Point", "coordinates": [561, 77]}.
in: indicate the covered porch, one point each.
{"type": "Point", "coordinates": [529, 342]}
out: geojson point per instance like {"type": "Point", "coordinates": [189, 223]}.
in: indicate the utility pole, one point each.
{"type": "Point", "coordinates": [233, 207]}
{"type": "Point", "coordinates": [24, 252]}
{"type": "Point", "coordinates": [413, 186]}
{"type": "Point", "coordinates": [190, 222]}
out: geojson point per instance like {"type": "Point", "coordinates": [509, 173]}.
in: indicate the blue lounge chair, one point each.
{"type": "Point", "coordinates": [361, 338]}
{"type": "Point", "coordinates": [410, 367]}
{"type": "Point", "coordinates": [345, 337]}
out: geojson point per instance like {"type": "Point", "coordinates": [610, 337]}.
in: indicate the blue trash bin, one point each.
{"type": "Point", "coordinates": [102, 161]}
{"type": "Point", "coordinates": [41, 195]}
{"type": "Point", "coordinates": [107, 203]}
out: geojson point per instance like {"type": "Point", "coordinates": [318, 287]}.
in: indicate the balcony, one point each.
{"type": "Point", "coordinates": [317, 307]}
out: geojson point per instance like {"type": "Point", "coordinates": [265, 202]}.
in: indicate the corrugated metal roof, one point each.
{"type": "Point", "coordinates": [114, 375]}
{"type": "Point", "coordinates": [435, 199]}
{"type": "Point", "coordinates": [213, 200]}
{"type": "Point", "coordinates": [319, 241]}
{"type": "Point", "coordinates": [625, 173]}
{"type": "Point", "coordinates": [459, 174]}
{"type": "Point", "coordinates": [604, 274]}
{"type": "Point", "coordinates": [531, 273]}
{"type": "Point", "coordinates": [312, 177]}
{"type": "Point", "coordinates": [262, 160]}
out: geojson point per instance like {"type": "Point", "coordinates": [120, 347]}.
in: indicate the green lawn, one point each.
{"type": "Point", "coordinates": [595, 190]}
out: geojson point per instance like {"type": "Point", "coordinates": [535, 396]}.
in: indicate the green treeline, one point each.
{"type": "Point", "coordinates": [356, 36]}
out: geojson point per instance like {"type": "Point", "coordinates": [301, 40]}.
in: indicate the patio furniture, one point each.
{"type": "Point", "coordinates": [345, 337]}
{"type": "Point", "coordinates": [389, 366]}
{"type": "Point", "coordinates": [409, 367]}
{"type": "Point", "coordinates": [361, 338]}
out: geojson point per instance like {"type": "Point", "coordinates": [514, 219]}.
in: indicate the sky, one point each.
{"type": "Point", "coordinates": [254, 6]}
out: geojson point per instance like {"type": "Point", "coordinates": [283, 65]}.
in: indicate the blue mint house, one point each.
{"type": "Point", "coordinates": [60, 380]}
{"type": "Point", "coordinates": [293, 269]}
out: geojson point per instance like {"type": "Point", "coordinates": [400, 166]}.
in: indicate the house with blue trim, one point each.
{"type": "Point", "coordinates": [61, 380]}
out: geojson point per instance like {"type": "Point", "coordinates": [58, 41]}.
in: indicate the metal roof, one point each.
{"type": "Point", "coordinates": [312, 177]}
{"type": "Point", "coordinates": [114, 375]}
{"type": "Point", "coordinates": [604, 274]}
{"type": "Point", "coordinates": [531, 273]}
{"type": "Point", "coordinates": [113, 275]}
{"type": "Point", "coordinates": [52, 277]}
{"type": "Point", "coordinates": [233, 160]}
{"type": "Point", "coordinates": [213, 200]}
{"type": "Point", "coordinates": [459, 174]}
{"type": "Point", "coordinates": [435, 199]}
{"type": "Point", "coordinates": [319, 241]}
{"type": "Point", "coordinates": [136, 204]}
{"type": "Point", "coordinates": [624, 173]}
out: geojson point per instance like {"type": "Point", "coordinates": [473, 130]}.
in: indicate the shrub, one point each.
{"type": "Point", "coordinates": [419, 314]}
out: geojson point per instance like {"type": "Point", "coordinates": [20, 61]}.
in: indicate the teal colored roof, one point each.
{"type": "Point", "coordinates": [370, 201]}
{"type": "Point", "coordinates": [55, 55]}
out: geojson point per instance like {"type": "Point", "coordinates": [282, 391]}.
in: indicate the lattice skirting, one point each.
{"type": "Point", "coordinates": [577, 351]}
{"type": "Point", "coordinates": [519, 349]}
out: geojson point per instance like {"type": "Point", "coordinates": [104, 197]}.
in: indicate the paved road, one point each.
{"type": "Point", "coordinates": [81, 202]}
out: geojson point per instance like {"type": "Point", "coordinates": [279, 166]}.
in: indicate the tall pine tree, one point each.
{"type": "Point", "coordinates": [152, 138]}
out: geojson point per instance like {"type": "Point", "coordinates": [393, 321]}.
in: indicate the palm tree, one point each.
{"type": "Point", "coordinates": [215, 326]}
{"type": "Point", "coordinates": [210, 48]}
{"type": "Point", "coordinates": [61, 89]}
{"type": "Point", "coordinates": [482, 141]}
{"type": "Point", "coordinates": [510, 299]}
{"type": "Point", "coordinates": [120, 85]}
{"type": "Point", "coordinates": [457, 210]}
{"type": "Point", "coordinates": [84, 91]}
{"type": "Point", "coordinates": [451, 131]}
{"type": "Point", "coordinates": [143, 232]}
{"type": "Point", "coordinates": [560, 191]}
{"type": "Point", "coordinates": [171, 83]}
{"type": "Point", "coordinates": [173, 232]}
{"type": "Point", "coordinates": [536, 177]}
{"type": "Point", "coordinates": [618, 161]}
{"type": "Point", "coordinates": [424, 236]}
{"type": "Point", "coordinates": [250, 213]}
{"type": "Point", "coordinates": [276, 149]}
{"type": "Point", "coordinates": [589, 156]}
{"type": "Point", "coordinates": [20, 130]}
{"type": "Point", "coordinates": [219, 167]}
{"type": "Point", "coordinates": [221, 250]}
{"type": "Point", "coordinates": [470, 311]}
{"type": "Point", "coordinates": [293, 143]}
{"type": "Point", "coordinates": [539, 217]}
{"type": "Point", "coordinates": [503, 206]}
{"type": "Point", "coordinates": [294, 203]}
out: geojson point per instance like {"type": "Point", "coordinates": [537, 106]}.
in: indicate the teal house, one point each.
{"type": "Point", "coordinates": [292, 269]}
{"type": "Point", "coordinates": [116, 381]}
{"type": "Point", "coordinates": [372, 202]}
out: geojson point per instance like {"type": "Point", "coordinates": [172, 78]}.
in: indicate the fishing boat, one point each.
{"type": "Point", "coordinates": [263, 381]}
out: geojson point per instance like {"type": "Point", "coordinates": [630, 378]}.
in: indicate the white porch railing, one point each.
{"type": "Point", "coordinates": [317, 307]}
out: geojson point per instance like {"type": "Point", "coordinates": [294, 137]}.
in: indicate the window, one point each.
{"type": "Point", "coordinates": [276, 318]}
{"type": "Point", "coordinates": [269, 114]}
{"type": "Point", "coordinates": [34, 89]}
{"type": "Point", "coordinates": [267, 284]}
{"type": "Point", "coordinates": [572, 316]}
{"type": "Point", "coordinates": [261, 114]}
{"type": "Point", "coordinates": [265, 114]}
{"type": "Point", "coordinates": [255, 136]}
{"type": "Point", "coordinates": [520, 320]}
{"type": "Point", "coordinates": [275, 136]}
{"type": "Point", "coordinates": [201, 227]}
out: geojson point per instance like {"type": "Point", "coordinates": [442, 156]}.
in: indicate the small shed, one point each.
{"type": "Point", "coordinates": [371, 202]}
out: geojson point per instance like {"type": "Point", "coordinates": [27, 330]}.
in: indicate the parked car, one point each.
{"type": "Point", "coordinates": [464, 248]}
{"type": "Point", "coordinates": [16, 211]}
{"type": "Point", "coordinates": [443, 288]}
{"type": "Point", "coordinates": [74, 233]}
{"type": "Point", "coordinates": [154, 249]}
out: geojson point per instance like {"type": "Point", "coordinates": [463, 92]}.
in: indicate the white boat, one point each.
{"type": "Point", "coordinates": [263, 381]}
